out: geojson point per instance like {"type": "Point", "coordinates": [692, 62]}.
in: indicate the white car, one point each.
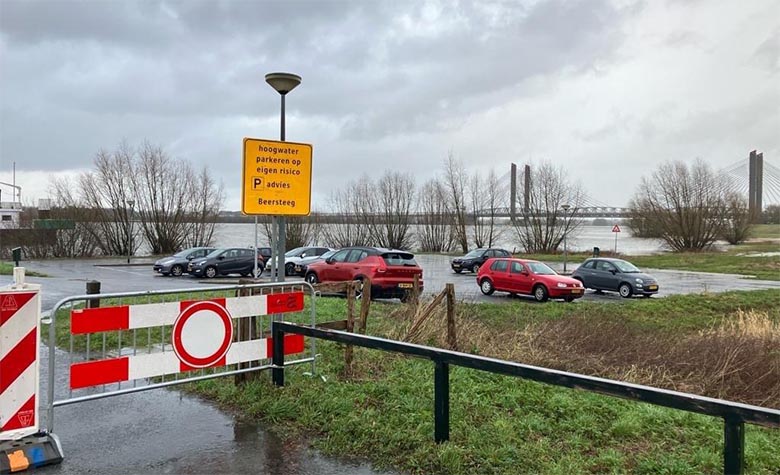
{"type": "Point", "coordinates": [294, 256]}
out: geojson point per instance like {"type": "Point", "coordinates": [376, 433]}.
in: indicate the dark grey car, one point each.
{"type": "Point", "coordinates": [176, 264]}
{"type": "Point", "coordinates": [474, 259]}
{"type": "Point", "coordinates": [615, 275]}
{"type": "Point", "coordinates": [234, 260]}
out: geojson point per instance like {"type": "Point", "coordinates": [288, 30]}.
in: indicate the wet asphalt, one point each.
{"type": "Point", "coordinates": [167, 431]}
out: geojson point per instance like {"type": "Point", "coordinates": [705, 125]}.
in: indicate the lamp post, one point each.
{"type": "Point", "coordinates": [282, 83]}
{"type": "Point", "coordinates": [130, 203]}
{"type": "Point", "coordinates": [565, 209]}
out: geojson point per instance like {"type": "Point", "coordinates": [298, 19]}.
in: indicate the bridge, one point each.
{"type": "Point", "coordinates": [759, 181]}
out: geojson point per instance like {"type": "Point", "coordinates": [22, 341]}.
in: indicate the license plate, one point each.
{"type": "Point", "coordinates": [297, 268]}
{"type": "Point", "coordinates": [652, 287]}
{"type": "Point", "coordinates": [405, 286]}
{"type": "Point", "coordinates": [455, 265]}
{"type": "Point", "coordinates": [576, 291]}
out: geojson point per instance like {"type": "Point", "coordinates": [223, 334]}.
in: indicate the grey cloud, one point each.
{"type": "Point", "coordinates": [767, 55]}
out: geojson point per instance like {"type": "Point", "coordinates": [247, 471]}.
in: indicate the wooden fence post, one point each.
{"type": "Point", "coordinates": [350, 327]}
{"type": "Point", "coordinates": [452, 337]}
{"type": "Point", "coordinates": [365, 306]}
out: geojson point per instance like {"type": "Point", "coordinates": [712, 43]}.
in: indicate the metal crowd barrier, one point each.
{"type": "Point", "coordinates": [126, 342]}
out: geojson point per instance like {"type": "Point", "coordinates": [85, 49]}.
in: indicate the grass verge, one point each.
{"type": "Point", "coordinates": [8, 269]}
{"type": "Point", "coordinates": [503, 425]}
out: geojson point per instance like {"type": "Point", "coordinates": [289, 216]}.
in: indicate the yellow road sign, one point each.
{"type": "Point", "coordinates": [276, 178]}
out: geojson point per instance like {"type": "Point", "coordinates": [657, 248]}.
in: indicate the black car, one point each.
{"type": "Point", "coordinates": [176, 264]}
{"type": "Point", "coordinates": [474, 259]}
{"type": "Point", "coordinates": [233, 260]}
{"type": "Point", "coordinates": [301, 266]}
{"type": "Point", "coordinates": [615, 275]}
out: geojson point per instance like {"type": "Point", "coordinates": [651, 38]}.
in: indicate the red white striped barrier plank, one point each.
{"type": "Point", "coordinates": [202, 336]}
{"type": "Point", "coordinates": [128, 317]}
{"type": "Point", "coordinates": [19, 317]}
{"type": "Point", "coordinates": [128, 368]}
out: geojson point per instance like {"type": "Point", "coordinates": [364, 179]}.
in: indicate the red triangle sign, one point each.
{"type": "Point", "coordinates": [616, 229]}
{"type": "Point", "coordinates": [11, 302]}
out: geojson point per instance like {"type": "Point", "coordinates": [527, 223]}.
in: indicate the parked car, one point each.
{"type": "Point", "coordinates": [302, 266]}
{"type": "Point", "coordinates": [176, 264]}
{"type": "Point", "coordinates": [616, 275]}
{"type": "Point", "coordinates": [233, 260]}
{"type": "Point", "coordinates": [266, 252]}
{"type": "Point", "coordinates": [527, 277]}
{"type": "Point", "coordinates": [474, 259]}
{"type": "Point", "coordinates": [293, 256]}
{"type": "Point", "coordinates": [390, 271]}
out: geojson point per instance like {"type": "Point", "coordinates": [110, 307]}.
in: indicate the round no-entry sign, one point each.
{"type": "Point", "coordinates": [202, 334]}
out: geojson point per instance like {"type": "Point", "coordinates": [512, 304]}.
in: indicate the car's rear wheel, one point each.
{"type": "Point", "coordinates": [177, 270]}
{"type": "Point", "coordinates": [540, 293]}
{"type": "Point", "coordinates": [289, 268]}
{"type": "Point", "coordinates": [475, 268]}
{"type": "Point", "coordinates": [259, 270]}
{"type": "Point", "coordinates": [311, 278]}
{"type": "Point", "coordinates": [486, 286]}
{"type": "Point", "coordinates": [210, 272]}
{"type": "Point", "coordinates": [625, 290]}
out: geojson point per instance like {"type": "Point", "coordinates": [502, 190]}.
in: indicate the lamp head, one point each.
{"type": "Point", "coordinates": [283, 82]}
{"type": "Point", "coordinates": [565, 207]}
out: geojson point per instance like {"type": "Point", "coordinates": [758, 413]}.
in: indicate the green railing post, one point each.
{"type": "Point", "coordinates": [441, 403]}
{"type": "Point", "coordinates": [733, 446]}
{"type": "Point", "coordinates": [277, 373]}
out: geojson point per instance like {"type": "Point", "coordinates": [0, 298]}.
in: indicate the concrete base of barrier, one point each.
{"type": "Point", "coordinates": [29, 452]}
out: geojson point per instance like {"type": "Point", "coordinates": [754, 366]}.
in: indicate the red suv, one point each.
{"type": "Point", "coordinates": [524, 276]}
{"type": "Point", "coordinates": [391, 272]}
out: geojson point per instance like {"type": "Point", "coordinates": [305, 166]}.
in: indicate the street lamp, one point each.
{"type": "Point", "coordinates": [131, 203]}
{"type": "Point", "coordinates": [282, 83]}
{"type": "Point", "coordinates": [565, 209]}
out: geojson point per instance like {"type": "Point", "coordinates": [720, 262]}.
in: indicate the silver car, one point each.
{"type": "Point", "coordinates": [603, 273]}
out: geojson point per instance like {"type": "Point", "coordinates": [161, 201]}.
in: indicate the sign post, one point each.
{"type": "Point", "coordinates": [616, 230]}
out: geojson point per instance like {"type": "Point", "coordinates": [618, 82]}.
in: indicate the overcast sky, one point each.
{"type": "Point", "coordinates": [606, 89]}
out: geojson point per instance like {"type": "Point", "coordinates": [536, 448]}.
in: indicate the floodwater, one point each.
{"type": "Point", "coordinates": [585, 238]}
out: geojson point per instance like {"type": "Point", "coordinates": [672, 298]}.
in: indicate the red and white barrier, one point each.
{"type": "Point", "coordinates": [202, 336]}
{"type": "Point", "coordinates": [20, 311]}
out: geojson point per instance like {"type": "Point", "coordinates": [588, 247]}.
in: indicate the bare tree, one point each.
{"type": "Point", "coordinates": [299, 231]}
{"type": "Point", "coordinates": [455, 181]}
{"type": "Point", "coordinates": [206, 198]}
{"type": "Point", "coordinates": [343, 228]}
{"type": "Point", "coordinates": [435, 219]}
{"type": "Point", "coordinates": [393, 198]}
{"type": "Point", "coordinates": [175, 206]}
{"type": "Point", "coordinates": [106, 192]}
{"type": "Point", "coordinates": [484, 200]}
{"type": "Point", "coordinates": [687, 205]}
{"type": "Point", "coordinates": [76, 240]}
{"type": "Point", "coordinates": [542, 227]}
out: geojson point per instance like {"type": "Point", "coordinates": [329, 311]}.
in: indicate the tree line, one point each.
{"type": "Point", "coordinates": [141, 195]}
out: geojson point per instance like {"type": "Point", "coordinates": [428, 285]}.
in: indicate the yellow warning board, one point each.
{"type": "Point", "coordinates": [276, 178]}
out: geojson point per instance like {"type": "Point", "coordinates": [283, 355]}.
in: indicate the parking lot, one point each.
{"type": "Point", "coordinates": [69, 277]}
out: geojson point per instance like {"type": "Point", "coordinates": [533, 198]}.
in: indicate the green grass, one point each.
{"type": "Point", "coordinates": [766, 231]}
{"type": "Point", "coordinates": [8, 269]}
{"type": "Point", "coordinates": [500, 425]}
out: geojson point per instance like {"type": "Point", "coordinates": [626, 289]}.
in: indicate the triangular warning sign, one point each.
{"type": "Point", "coordinates": [11, 302]}
{"type": "Point", "coordinates": [616, 229]}
{"type": "Point", "coordinates": [26, 417]}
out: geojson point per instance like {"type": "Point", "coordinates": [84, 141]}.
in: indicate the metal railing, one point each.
{"type": "Point", "coordinates": [151, 341]}
{"type": "Point", "coordinates": [735, 415]}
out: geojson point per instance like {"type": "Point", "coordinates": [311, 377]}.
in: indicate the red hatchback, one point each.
{"type": "Point", "coordinates": [391, 272]}
{"type": "Point", "coordinates": [523, 276]}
